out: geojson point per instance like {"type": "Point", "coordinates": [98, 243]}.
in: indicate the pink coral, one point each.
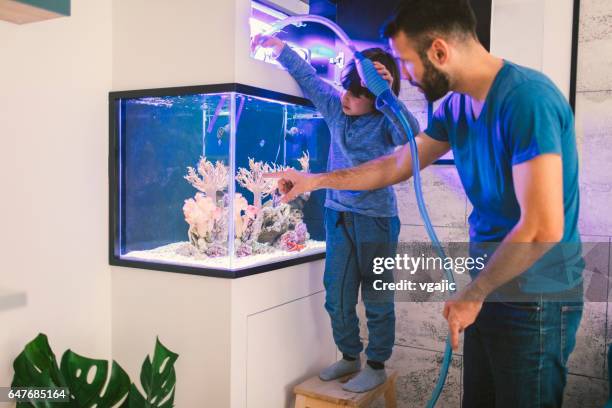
{"type": "Point", "coordinates": [294, 240]}
{"type": "Point", "coordinates": [201, 214]}
{"type": "Point", "coordinates": [287, 241]}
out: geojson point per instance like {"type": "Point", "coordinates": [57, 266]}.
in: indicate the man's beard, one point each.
{"type": "Point", "coordinates": [435, 83]}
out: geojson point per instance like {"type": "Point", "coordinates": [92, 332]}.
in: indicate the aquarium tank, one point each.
{"type": "Point", "coordinates": [186, 179]}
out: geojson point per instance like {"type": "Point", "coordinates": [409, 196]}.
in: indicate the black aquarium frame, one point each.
{"type": "Point", "coordinates": [115, 244]}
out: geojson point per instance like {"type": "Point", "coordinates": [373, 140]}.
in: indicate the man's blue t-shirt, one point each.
{"type": "Point", "coordinates": [524, 115]}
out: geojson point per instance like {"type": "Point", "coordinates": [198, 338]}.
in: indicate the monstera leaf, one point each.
{"type": "Point", "coordinates": [157, 378]}
{"type": "Point", "coordinates": [88, 380]}
{"type": "Point", "coordinates": [36, 366]}
{"type": "Point", "coordinates": [87, 377]}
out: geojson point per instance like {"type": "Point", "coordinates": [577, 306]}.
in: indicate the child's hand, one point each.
{"type": "Point", "coordinates": [267, 41]}
{"type": "Point", "coordinates": [383, 72]}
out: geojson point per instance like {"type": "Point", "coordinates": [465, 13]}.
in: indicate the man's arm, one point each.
{"type": "Point", "coordinates": [538, 184]}
{"type": "Point", "coordinates": [375, 174]}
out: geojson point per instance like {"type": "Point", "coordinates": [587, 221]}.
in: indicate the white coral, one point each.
{"type": "Point", "coordinates": [254, 181]}
{"type": "Point", "coordinates": [305, 161]}
{"type": "Point", "coordinates": [214, 177]}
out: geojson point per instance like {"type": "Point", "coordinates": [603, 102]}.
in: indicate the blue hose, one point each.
{"type": "Point", "coordinates": [385, 97]}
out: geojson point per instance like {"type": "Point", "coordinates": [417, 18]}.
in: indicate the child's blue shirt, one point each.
{"type": "Point", "coordinates": [354, 139]}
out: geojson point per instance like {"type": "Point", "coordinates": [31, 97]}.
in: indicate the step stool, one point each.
{"type": "Point", "coordinates": [315, 393]}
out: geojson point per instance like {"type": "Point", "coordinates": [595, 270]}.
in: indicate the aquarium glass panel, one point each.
{"type": "Point", "coordinates": [188, 180]}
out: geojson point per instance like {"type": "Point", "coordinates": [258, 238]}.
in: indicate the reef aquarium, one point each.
{"type": "Point", "coordinates": [186, 179]}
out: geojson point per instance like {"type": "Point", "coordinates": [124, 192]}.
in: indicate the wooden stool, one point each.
{"type": "Point", "coordinates": [314, 393]}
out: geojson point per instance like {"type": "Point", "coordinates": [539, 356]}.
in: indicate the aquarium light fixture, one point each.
{"type": "Point", "coordinates": [264, 99]}
{"type": "Point", "coordinates": [258, 26]}
{"type": "Point", "coordinates": [268, 10]}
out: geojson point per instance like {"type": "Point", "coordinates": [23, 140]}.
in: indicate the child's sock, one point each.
{"type": "Point", "coordinates": [368, 379]}
{"type": "Point", "coordinates": [347, 365]}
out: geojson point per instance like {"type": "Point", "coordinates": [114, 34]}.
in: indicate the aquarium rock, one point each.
{"type": "Point", "coordinates": [216, 249]}
{"type": "Point", "coordinates": [275, 221]}
{"type": "Point", "coordinates": [301, 233]}
{"type": "Point", "coordinates": [240, 221]}
{"type": "Point", "coordinates": [245, 249]}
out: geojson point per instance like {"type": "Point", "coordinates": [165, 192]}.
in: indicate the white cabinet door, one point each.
{"type": "Point", "coordinates": [285, 345]}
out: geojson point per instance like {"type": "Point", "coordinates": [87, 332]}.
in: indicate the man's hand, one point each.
{"type": "Point", "coordinates": [378, 173]}
{"type": "Point", "coordinates": [461, 311]}
{"type": "Point", "coordinates": [267, 41]}
{"type": "Point", "coordinates": [293, 183]}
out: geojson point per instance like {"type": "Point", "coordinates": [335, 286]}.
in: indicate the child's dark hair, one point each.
{"type": "Point", "coordinates": [352, 82]}
{"type": "Point", "coordinates": [423, 19]}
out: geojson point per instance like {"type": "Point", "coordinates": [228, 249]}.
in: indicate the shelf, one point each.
{"type": "Point", "coordinates": [10, 299]}
{"type": "Point", "coordinates": [31, 11]}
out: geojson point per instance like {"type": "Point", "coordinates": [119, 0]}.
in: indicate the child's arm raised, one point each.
{"type": "Point", "coordinates": [323, 95]}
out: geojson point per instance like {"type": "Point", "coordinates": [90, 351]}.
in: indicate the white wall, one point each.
{"type": "Point", "coordinates": [54, 80]}
{"type": "Point", "coordinates": [159, 44]}
{"type": "Point", "coordinates": [199, 43]}
{"type": "Point", "coordinates": [536, 34]}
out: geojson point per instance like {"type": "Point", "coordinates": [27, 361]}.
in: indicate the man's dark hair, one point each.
{"type": "Point", "coordinates": [421, 20]}
{"type": "Point", "coordinates": [352, 82]}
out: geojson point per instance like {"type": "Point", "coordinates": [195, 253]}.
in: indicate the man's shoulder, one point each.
{"type": "Point", "coordinates": [519, 84]}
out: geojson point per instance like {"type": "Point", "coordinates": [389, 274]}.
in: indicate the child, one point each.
{"type": "Point", "coordinates": [360, 225]}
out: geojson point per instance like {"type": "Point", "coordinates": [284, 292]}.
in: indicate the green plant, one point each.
{"type": "Point", "coordinates": [86, 378]}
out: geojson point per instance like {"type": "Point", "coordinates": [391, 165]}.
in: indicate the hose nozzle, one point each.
{"type": "Point", "coordinates": [373, 81]}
